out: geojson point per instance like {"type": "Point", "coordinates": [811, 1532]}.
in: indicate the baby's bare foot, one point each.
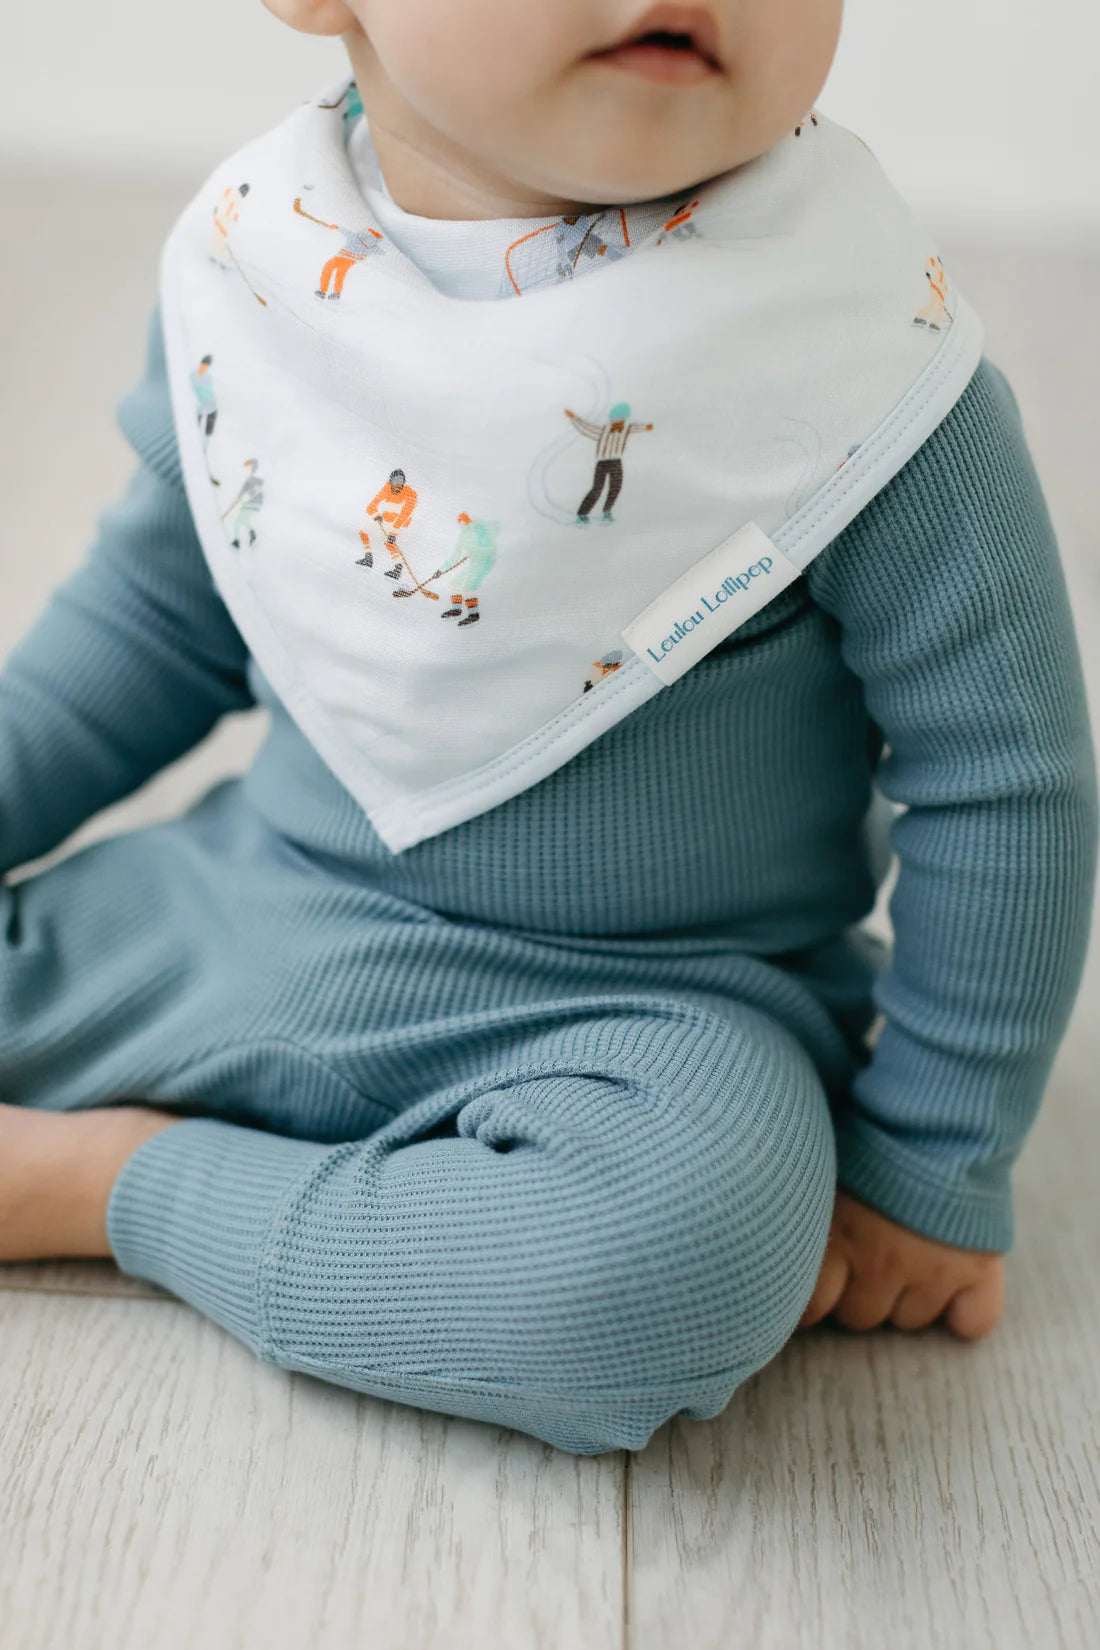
{"type": "Point", "coordinates": [56, 1174]}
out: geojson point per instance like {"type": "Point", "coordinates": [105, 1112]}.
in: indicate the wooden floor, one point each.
{"type": "Point", "coordinates": [161, 1490]}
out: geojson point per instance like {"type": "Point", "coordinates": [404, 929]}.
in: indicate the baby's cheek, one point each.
{"type": "Point", "coordinates": [473, 60]}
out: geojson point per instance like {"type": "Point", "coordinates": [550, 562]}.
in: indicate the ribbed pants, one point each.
{"type": "Point", "coordinates": [574, 1187]}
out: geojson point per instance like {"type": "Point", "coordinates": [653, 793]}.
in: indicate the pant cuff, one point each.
{"type": "Point", "coordinates": [194, 1208]}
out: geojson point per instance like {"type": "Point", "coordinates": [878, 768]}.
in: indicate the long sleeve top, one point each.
{"type": "Point", "coordinates": [930, 648]}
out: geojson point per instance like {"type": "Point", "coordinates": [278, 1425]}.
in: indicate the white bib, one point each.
{"type": "Point", "coordinates": [464, 538]}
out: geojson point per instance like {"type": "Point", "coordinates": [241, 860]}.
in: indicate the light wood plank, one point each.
{"type": "Point", "coordinates": [908, 1489]}
{"type": "Point", "coordinates": [78, 1277]}
{"type": "Point", "coordinates": [161, 1489]}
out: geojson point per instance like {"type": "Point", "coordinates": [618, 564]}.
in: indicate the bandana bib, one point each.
{"type": "Point", "coordinates": [464, 538]}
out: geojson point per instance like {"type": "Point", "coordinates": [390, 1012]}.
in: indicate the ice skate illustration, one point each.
{"type": "Point", "coordinates": [604, 667]}
{"type": "Point", "coordinates": [248, 504]}
{"type": "Point", "coordinates": [935, 311]}
{"type": "Point", "coordinates": [359, 244]}
{"type": "Point", "coordinates": [610, 438]}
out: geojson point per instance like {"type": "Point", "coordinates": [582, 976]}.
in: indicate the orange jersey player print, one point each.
{"type": "Point", "coordinates": [392, 509]}
{"type": "Point", "coordinates": [226, 213]}
{"type": "Point", "coordinates": [935, 312]}
{"type": "Point", "coordinates": [358, 245]}
{"type": "Point", "coordinates": [679, 226]}
{"type": "Point", "coordinates": [603, 666]}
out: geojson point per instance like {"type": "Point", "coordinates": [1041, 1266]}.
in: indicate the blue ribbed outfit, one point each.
{"type": "Point", "coordinates": [540, 1120]}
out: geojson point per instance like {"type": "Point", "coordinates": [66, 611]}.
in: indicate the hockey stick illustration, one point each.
{"type": "Point", "coordinates": [391, 541]}
{"type": "Point", "coordinates": [242, 274]}
{"type": "Point", "coordinates": [302, 213]}
{"type": "Point", "coordinates": [439, 575]}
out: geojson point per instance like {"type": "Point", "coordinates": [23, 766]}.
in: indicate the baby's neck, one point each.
{"type": "Point", "coordinates": [428, 175]}
{"type": "Point", "coordinates": [434, 184]}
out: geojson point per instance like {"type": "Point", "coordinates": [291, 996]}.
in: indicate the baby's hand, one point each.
{"type": "Point", "coordinates": [875, 1270]}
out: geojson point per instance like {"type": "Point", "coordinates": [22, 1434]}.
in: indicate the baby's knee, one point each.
{"type": "Point", "coordinates": [703, 1259]}
{"type": "Point", "coordinates": [610, 1251]}
{"type": "Point", "coordinates": [713, 1283]}
{"type": "Point", "coordinates": [673, 1323]}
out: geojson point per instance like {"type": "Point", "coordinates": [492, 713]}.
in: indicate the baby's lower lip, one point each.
{"type": "Point", "coordinates": [661, 63]}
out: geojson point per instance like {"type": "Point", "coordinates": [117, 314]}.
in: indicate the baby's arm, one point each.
{"type": "Point", "coordinates": [133, 660]}
{"type": "Point", "coordinates": [954, 613]}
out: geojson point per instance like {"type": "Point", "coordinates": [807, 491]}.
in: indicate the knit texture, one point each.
{"type": "Point", "coordinates": [539, 1120]}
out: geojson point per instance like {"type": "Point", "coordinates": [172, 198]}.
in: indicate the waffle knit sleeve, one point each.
{"type": "Point", "coordinates": [953, 610]}
{"type": "Point", "coordinates": [132, 661]}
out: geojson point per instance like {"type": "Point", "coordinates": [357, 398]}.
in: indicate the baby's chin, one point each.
{"type": "Point", "coordinates": [621, 161]}
{"type": "Point", "coordinates": [627, 187]}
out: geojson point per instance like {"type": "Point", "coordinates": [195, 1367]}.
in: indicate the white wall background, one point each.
{"type": "Point", "coordinates": [982, 112]}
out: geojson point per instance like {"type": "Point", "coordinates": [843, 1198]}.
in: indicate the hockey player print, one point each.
{"type": "Point", "coordinates": [934, 313]}
{"type": "Point", "coordinates": [392, 508]}
{"type": "Point", "coordinates": [611, 439]}
{"type": "Point", "coordinates": [351, 104]}
{"type": "Point", "coordinates": [561, 250]}
{"type": "Point", "coordinates": [602, 667]}
{"type": "Point", "coordinates": [226, 214]}
{"type": "Point", "coordinates": [476, 551]}
{"type": "Point", "coordinates": [247, 504]}
{"type": "Point", "coordinates": [358, 245]}
{"type": "Point", "coordinates": [202, 382]}
{"type": "Point", "coordinates": [679, 227]}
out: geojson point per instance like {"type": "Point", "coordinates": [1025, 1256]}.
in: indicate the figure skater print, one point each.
{"type": "Point", "coordinates": [611, 439]}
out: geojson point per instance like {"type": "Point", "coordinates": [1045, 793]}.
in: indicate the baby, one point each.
{"type": "Point", "coordinates": [564, 432]}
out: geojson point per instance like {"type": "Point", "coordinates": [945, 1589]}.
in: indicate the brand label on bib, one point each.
{"type": "Point", "coordinates": [709, 601]}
